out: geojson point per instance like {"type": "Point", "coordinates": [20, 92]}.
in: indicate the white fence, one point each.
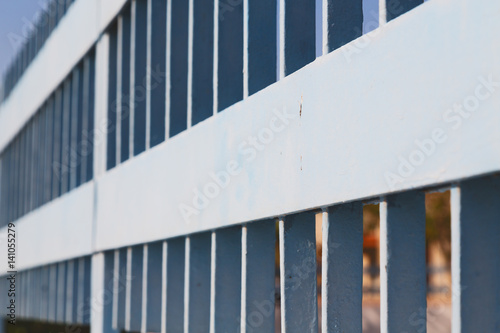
{"type": "Point", "coordinates": [197, 153]}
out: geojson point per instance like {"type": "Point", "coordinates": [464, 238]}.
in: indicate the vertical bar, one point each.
{"type": "Point", "coordinates": [111, 109]}
{"type": "Point", "coordinates": [27, 166]}
{"type": "Point", "coordinates": [342, 23]}
{"type": "Point", "coordinates": [74, 151]}
{"type": "Point", "coordinates": [20, 185]}
{"type": "Point", "coordinates": [258, 275]}
{"type": "Point", "coordinates": [35, 164]}
{"type": "Point", "coordinates": [175, 274]}
{"type": "Point", "coordinates": [29, 294]}
{"type": "Point", "coordinates": [475, 226]}
{"type": "Point", "coordinates": [124, 101]}
{"type": "Point", "coordinates": [133, 303]}
{"type": "Point", "coordinates": [96, 107]}
{"type": "Point", "coordinates": [58, 168]}
{"type": "Point", "coordinates": [390, 9]}
{"type": "Point", "coordinates": [144, 290]}
{"type": "Point", "coordinates": [56, 147]}
{"type": "Point", "coordinates": [49, 129]}
{"type": "Point", "coordinates": [65, 137]}
{"type": "Point", "coordinates": [118, 91]}
{"type": "Point", "coordinates": [61, 292]}
{"type": "Point", "coordinates": [297, 41]}
{"type": "Point", "coordinates": [74, 293]}
{"type": "Point", "coordinates": [178, 66]}
{"type": "Point", "coordinates": [227, 280]}
{"type": "Point", "coordinates": [81, 290]}
{"type": "Point", "coordinates": [299, 312]}
{"type": "Point", "coordinates": [11, 181]}
{"type": "Point", "coordinates": [402, 261]}
{"type": "Point", "coordinates": [202, 46]}
{"type": "Point", "coordinates": [91, 110]}
{"type": "Point", "coordinates": [197, 297]}
{"type": "Point", "coordinates": [230, 55]}
{"type": "Point", "coordinates": [120, 289]}
{"type": "Point", "coordinates": [22, 293]}
{"type": "Point", "coordinates": [140, 75]}
{"type": "Point", "coordinates": [81, 139]}
{"type": "Point", "coordinates": [16, 190]}
{"type": "Point", "coordinates": [98, 279]}
{"type": "Point", "coordinates": [70, 279]}
{"type": "Point", "coordinates": [41, 155]}
{"type": "Point", "coordinates": [154, 279]}
{"type": "Point", "coordinates": [158, 64]}
{"type": "Point", "coordinates": [86, 129]}
{"type": "Point", "coordinates": [44, 302]}
{"type": "Point", "coordinates": [259, 45]}
{"type": "Point", "coordinates": [342, 281]}
{"type": "Point", "coordinates": [3, 181]}
{"type": "Point", "coordinates": [107, 311]}
{"type": "Point", "coordinates": [52, 293]}
{"type": "Point", "coordinates": [39, 288]}
{"type": "Point", "coordinates": [87, 293]}
{"type": "Point", "coordinates": [4, 287]}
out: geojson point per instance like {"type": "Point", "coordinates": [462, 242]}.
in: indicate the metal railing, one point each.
{"type": "Point", "coordinates": [216, 125]}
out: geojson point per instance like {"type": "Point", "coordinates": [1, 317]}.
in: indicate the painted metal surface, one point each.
{"type": "Point", "coordinates": [176, 304]}
{"type": "Point", "coordinates": [291, 160]}
{"type": "Point", "coordinates": [403, 288]}
{"type": "Point", "coordinates": [121, 194]}
{"type": "Point", "coordinates": [342, 268]}
{"type": "Point", "coordinates": [152, 304]}
{"type": "Point", "coordinates": [298, 280]}
{"type": "Point", "coordinates": [69, 221]}
{"type": "Point", "coordinates": [268, 164]}
{"type": "Point", "coordinates": [475, 228]}
{"type": "Point", "coordinates": [258, 274]}
{"type": "Point", "coordinates": [227, 285]}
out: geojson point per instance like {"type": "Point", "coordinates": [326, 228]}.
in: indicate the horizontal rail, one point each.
{"type": "Point", "coordinates": [75, 34]}
{"type": "Point", "coordinates": [60, 230]}
{"type": "Point", "coordinates": [334, 148]}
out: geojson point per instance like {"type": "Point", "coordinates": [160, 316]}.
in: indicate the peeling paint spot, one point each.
{"type": "Point", "coordinates": [300, 109]}
{"type": "Point", "coordinates": [300, 162]}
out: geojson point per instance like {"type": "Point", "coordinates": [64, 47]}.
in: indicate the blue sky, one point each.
{"type": "Point", "coordinates": [15, 16]}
